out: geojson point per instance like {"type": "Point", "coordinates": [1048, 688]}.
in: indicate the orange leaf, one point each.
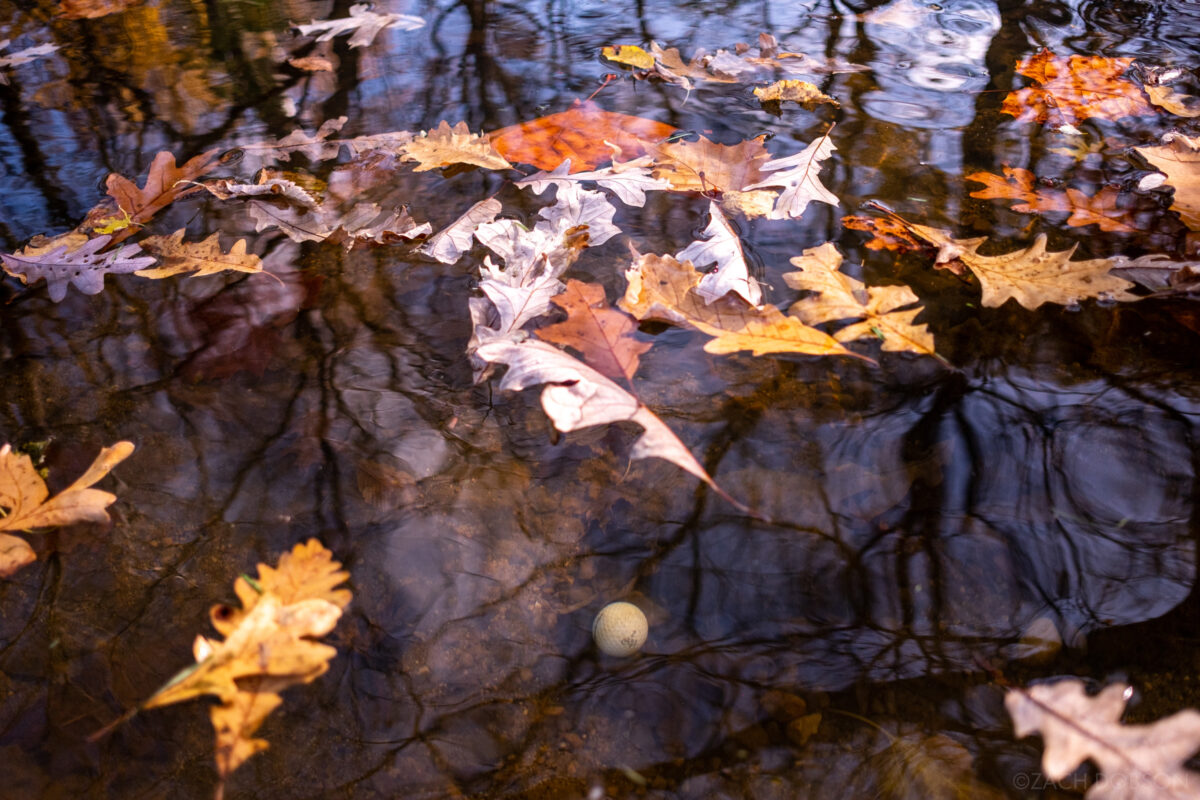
{"type": "Point", "coordinates": [580, 134]}
{"type": "Point", "coordinates": [603, 335]}
{"type": "Point", "coordinates": [1100, 209]}
{"type": "Point", "coordinates": [886, 234]}
{"type": "Point", "coordinates": [1075, 88]}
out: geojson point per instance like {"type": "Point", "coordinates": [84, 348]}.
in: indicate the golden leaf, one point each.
{"type": "Point", "coordinates": [1075, 88]}
{"type": "Point", "coordinates": [1179, 158]}
{"type": "Point", "coordinates": [1181, 105]}
{"type": "Point", "coordinates": [23, 494]}
{"type": "Point", "coordinates": [840, 297]}
{"type": "Point", "coordinates": [794, 91]}
{"type": "Point", "coordinates": [629, 55]}
{"type": "Point", "coordinates": [200, 258]}
{"type": "Point", "coordinates": [444, 146]}
{"type": "Point", "coordinates": [661, 288]}
{"type": "Point", "coordinates": [1021, 184]}
{"type": "Point", "coordinates": [1032, 276]}
{"type": "Point", "coordinates": [268, 647]}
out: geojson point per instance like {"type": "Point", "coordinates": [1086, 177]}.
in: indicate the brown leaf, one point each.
{"type": "Point", "coordinates": [1179, 158]}
{"type": "Point", "coordinates": [269, 646]}
{"type": "Point", "coordinates": [930, 767]}
{"type": "Point", "coordinates": [1021, 184]}
{"type": "Point", "coordinates": [661, 288]}
{"type": "Point", "coordinates": [705, 166]}
{"type": "Point", "coordinates": [579, 134]}
{"type": "Point", "coordinates": [840, 297]}
{"type": "Point", "coordinates": [1181, 105]}
{"type": "Point", "coordinates": [1076, 88]}
{"type": "Point", "coordinates": [444, 146]}
{"type": "Point", "coordinates": [165, 183]}
{"type": "Point", "coordinates": [1032, 276]}
{"type": "Point", "coordinates": [23, 500]}
{"type": "Point", "coordinates": [92, 9]}
{"type": "Point", "coordinates": [1136, 761]}
{"type": "Point", "coordinates": [199, 258]}
{"type": "Point", "coordinates": [604, 336]}
{"type": "Point", "coordinates": [793, 91]}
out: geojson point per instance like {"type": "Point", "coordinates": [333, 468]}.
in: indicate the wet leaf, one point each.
{"type": "Point", "coordinates": [583, 134]}
{"type": "Point", "coordinates": [362, 223]}
{"type": "Point", "coordinates": [799, 174]}
{"type": "Point", "coordinates": [1135, 761]}
{"type": "Point", "coordinates": [317, 147]}
{"type": "Point", "coordinates": [630, 55]}
{"type": "Point", "coordinates": [840, 297]}
{"type": "Point", "coordinates": [724, 248]}
{"type": "Point", "coordinates": [793, 91]}
{"type": "Point", "coordinates": [448, 244]}
{"type": "Point", "coordinates": [73, 259]}
{"type": "Point", "coordinates": [165, 183]}
{"type": "Point", "coordinates": [1032, 276]}
{"type": "Point", "coordinates": [268, 646]}
{"type": "Point", "coordinates": [19, 57]}
{"type": "Point", "coordinates": [443, 146]}
{"type": "Point", "coordinates": [886, 233]}
{"type": "Point", "coordinates": [661, 288]}
{"type": "Point", "coordinates": [605, 337]}
{"type": "Point", "coordinates": [628, 180]}
{"type": "Point", "coordinates": [200, 258]}
{"type": "Point", "coordinates": [706, 166]}
{"type": "Point", "coordinates": [266, 187]}
{"type": "Point", "coordinates": [25, 501]}
{"type": "Point", "coordinates": [362, 22]}
{"type": "Point", "coordinates": [578, 396]}
{"type": "Point", "coordinates": [1166, 98]}
{"type": "Point", "coordinates": [930, 767]}
{"type": "Point", "coordinates": [1071, 89]}
{"type": "Point", "coordinates": [1021, 184]}
{"type": "Point", "coordinates": [1179, 158]}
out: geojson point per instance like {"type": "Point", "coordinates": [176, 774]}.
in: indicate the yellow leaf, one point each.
{"type": "Point", "coordinates": [200, 258]}
{"type": "Point", "coordinates": [794, 91]}
{"type": "Point", "coordinates": [629, 55]}
{"type": "Point", "coordinates": [840, 297]}
{"type": "Point", "coordinates": [1179, 158]}
{"type": "Point", "coordinates": [661, 288]}
{"type": "Point", "coordinates": [444, 146]}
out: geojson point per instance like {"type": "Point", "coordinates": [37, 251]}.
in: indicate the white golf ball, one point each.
{"type": "Point", "coordinates": [620, 629]}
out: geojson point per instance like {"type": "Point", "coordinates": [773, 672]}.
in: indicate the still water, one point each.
{"type": "Point", "coordinates": [922, 518]}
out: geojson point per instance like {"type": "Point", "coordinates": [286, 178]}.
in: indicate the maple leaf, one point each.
{"type": "Point", "coordinates": [1179, 158]}
{"type": "Point", "coordinates": [165, 183]}
{"type": "Point", "coordinates": [578, 396]}
{"type": "Point", "coordinates": [661, 288]}
{"type": "Point", "coordinates": [586, 134]}
{"type": "Point", "coordinates": [724, 248]}
{"type": "Point", "coordinates": [1137, 762]}
{"type": "Point", "coordinates": [444, 146]}
{"type": "Point", "coordinates": [792, 91]}
{"type": "Point", "coordinates": [1075, 88]}
{"type": "Point", "coordinates": [364, 23]}
{"type": "Point", "coordinates": [268, 646]}
{"type": "Point", "coordinates": [604, 336]}
{"type": "Point", "coordinates": [798, 174]}
{"type": "Point", "coordinates": [841, 297]}
{"type": "Point", "coordinates": [199, 258]}
{"type": "Point", "coordinates": [76, 260]}
{"type": "Point", "coordinates": [628, 180]}
{"type": "Point", "coordinates": [24, 503]}
{"type": "Point", "coordinates": [886, 233]}
{"type": "Point", "coordinates": [448, 244]}
{"type": "Point", "coordinates": [1032, 276]}
{"type": "Point", "coordinates": [1021, 184]}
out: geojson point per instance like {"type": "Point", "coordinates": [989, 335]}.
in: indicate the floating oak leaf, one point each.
{"type": "Point", "coordinates": [628, 180]}
{"type": "Point", "coordinates": [792, 91]}
{"type": "Point", "coordinates": [705, 166]}
{"type": "Point", "coordinates": [1075, 88]}
{"type": "Point", "coordinates": [605, 337]}
{"type": "Point", "coordinates": [165, 183]}
{"type": "Point", "coordinates": [661, 288]}
{"type": "Point", "coordinates": [364, 23]}
{"type": "Point", "coordinates": [837, 297]}
{"type": "Point", "coordinates": [269, 645]}
{"type": "Point", "coordinates": [199, 258]}
{"type": "Point", "coordinates": [724, 248]}
{"type": "Point", "coordinates": [73, 259]}
{"type": "Point", "coordinates": [886, 233]}
{"type": "Point", "coordinates": [1137, 762]}
{"type": "Point", "coordinates": [586, 134]}
{"type": "Point", "coordinates": [1179, 158]}
{"type": "Point", "coordinates": [1020, 184]}
{"type": "Point", "coordinates": [444, 146]}
{"type": "Point", "coordinates": [448, 244]}
{"type": "Point", "coordinates": [799, 175]}
{"type": "Point", "coordinates": [24, 503]}
{"type": "Point", "coordinates": [578, 396]}
{"type": "Point", "coordinates": [1031, 276]}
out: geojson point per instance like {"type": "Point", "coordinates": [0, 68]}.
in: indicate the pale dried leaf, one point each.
{"type": "Point", "coordinates": [64, 262]}
{"type": "Point", "coordinates": [362, 223]}
{"type": "Point", "coordinates": [200, 258]}
{"type": "Point", "coordinates": [724, 248]}
{"type": "Point", "coordinates": [1137, 762]}
{"type": "Point", "coordinates": [226, 189]}
{"type": "Point", "coordinates": [364, 23]}
{"type": "Point", "coordinates": [448, 244]}
{"type": "Point", "coordinates": [800, 176]}
{"type": "Point", "coordinates": [629, 180]}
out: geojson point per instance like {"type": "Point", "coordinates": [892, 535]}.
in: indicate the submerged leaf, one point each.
{"type": "Point", "coordinates": [1071, 89]}
{"type": "Point", "coordinates": [586, 134]}
{"type": "Point", "coordinates": [1021, 184]}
